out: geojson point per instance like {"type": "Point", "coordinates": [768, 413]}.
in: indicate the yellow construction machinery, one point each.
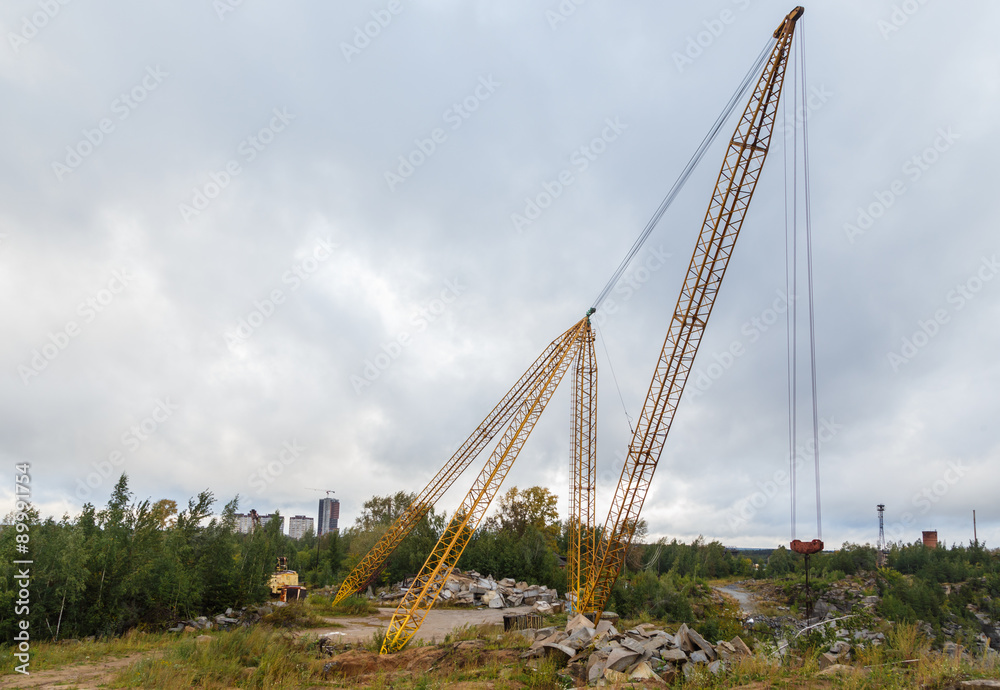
{"type": "Point", "coordinates": [595, 561]}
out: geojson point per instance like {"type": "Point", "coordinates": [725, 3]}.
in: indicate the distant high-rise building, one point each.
{"type": "Point", "coordinates": [299, 525]}
{"type": "Point", "coordinates": [329, 514]}
{"type": "Point", "coordinates": [244, 523]}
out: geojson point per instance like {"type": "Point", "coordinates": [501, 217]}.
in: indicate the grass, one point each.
{"type": "Point", "coordinates": [295, 615]}
{"type": "Point", "coordinates": [258, 657]}
{"type": "Point", "coordinates": [52, 655]}
{"type": "Point", "coordinates": [349, 606]}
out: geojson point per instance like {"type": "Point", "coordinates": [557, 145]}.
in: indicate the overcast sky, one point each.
{"type": "Point", "coordinates": [263, 248]}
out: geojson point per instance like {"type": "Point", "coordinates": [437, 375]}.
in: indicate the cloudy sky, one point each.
{"type": "Point", "coordinates": [264, 248]}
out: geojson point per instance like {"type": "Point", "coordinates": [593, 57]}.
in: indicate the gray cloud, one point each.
{"type": "Point", "coordinates": [886, 95]}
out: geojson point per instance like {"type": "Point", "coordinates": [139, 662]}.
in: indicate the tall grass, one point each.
{"type": "Point", "coordinates": [258, 657]}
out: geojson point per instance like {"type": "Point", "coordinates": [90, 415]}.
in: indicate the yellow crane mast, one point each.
{"type": "Point", "coordinates": [583, 470]}
{"type": "Point", "coordinates": [365, 572]}
{"type": "Point", "coordinates": [421, 595]}
{"type": "Point", "coordinates": [733, 191]}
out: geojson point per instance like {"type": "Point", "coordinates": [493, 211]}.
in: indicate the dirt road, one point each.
{"type": "Point", "coordinates": [86, 675]}
{"type": "Point", "coordinates": [742, 596]}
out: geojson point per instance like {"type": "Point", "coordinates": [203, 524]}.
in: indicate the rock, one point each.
{"type": "Point", "coordinates": [508, 582]}
{"type": "Point", "coordinates": [698, 657]}
{"type": "Point", "coordinates": [515, 599]}
{"type": "Point", "coordinates": [543, 633]}
{"type": "Point", "coordinates": [561, 653]}
{"type": "Point", "coordinates": [188, 628]}
{"type": "Point", "coordinates": [497, 602]}
{"type": "Point", "coordinates": [620, 659]}
{"type": "Point", "coordinates": [604, 626]}
{"type": "Point", "coordinates": [176, 629]}
{"type": "Point", "coordinates": [615, 677]}
{"type": "Point", "coordinates": [702, 644]}
{"type": "Point", "coordinates": [683, 641]}
{"type": "Point", "coordinates": [840, 647]}
{"type": "Point", "coordinates": [826, 660]}
{"type": "Point", "coordinates": [741, 647]}
{"type": "Point", "coordinates": [633, 645]}
{"type": "Point", "coordinates": [981, 684]}
{"type": "Point", "coordinates": [203, 639]}
{"type": "Point", "coordinates": [470, 645]}
{"type": "Point", "coordinates": [715, 668]}
{"type": "Point", "coordinates": [578, 621]}
{"type": "Point", "coordinates": [675, 655]}
{"type": "Point", "coordinates": [652, 647]}
{"type": "Point", "coordinates": [725, 650]}
{"type": "Point", "coordinates": [596, 663]}
{"type": "Point", "coordinates": [542, 608]}
{"type": "Point", "coordinates": [580, 638]}
{"type": "Point", "coordinates": [834, 670]}
{"type": "Point", "coordinates": [643, 671]}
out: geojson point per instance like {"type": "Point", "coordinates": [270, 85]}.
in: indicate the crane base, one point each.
{"type": "Point", "coordinates": [807, 547]}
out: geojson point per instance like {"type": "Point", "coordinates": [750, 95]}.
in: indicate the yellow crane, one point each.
{"type": "Point", "coordinates": [593, 566]}
{"type": "Point", "coordinates": [733, 191]}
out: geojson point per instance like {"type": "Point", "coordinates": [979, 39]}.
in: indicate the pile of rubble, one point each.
{"type": "Point", "coordinates": [472, 589]}
{"type": "Point", "coordinates": [227, 620]}
{"type": "Point", "coordinates": [646, 652]}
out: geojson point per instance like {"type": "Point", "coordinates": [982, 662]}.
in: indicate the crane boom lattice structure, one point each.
{"type": "Point", "coordinates": [421, 595]}
{"type": "Point", "coordinates": [582, 470]}
{"type": "Point", "coordinates": [374, 561]}
{"type": "Point", "coordinates": [733, 191]}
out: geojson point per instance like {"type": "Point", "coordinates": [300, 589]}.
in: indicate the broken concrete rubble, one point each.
{"type": "Point", "coordinates": [601, 655]}
{"type": "Point", "coordinates": [473, 589]}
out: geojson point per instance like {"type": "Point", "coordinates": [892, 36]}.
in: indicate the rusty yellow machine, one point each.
{"type": "Point", "coordinates": [285, 583]}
